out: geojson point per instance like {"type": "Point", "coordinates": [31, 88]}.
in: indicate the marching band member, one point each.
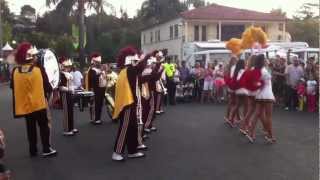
{"type": "Point", "coordinates": [29, 81]}
{"type": "Point", "coordinates": [160, 90]}
{"type": "Point", "coordinates": [157, 70]}
{"type": "Point", "coordinates": [66, 90]}
{"type": "Point", "coordinates": [128, 103]}
{"type": "Point", "coordinates": [94, 85]}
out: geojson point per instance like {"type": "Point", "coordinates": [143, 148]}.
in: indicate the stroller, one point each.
{"type": "Point", "coordinates": [184, 90]}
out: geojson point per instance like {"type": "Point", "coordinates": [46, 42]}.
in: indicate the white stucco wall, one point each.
{"type": "Point", "coordinates": [173, 45]}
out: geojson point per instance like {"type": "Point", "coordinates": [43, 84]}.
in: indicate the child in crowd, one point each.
{"type": "Point", "coordinates": [311, 95]}
{"type": "Point", "coordinates": [301, 91]}
{"type": "Point", "coordinates": [188, 89]}
{"type": "Point", "coordinates": [4, 172]}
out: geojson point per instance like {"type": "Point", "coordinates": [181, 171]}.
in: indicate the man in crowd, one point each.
{"type": "Point", "coordinates": [170, 69]}
{"type": "Point", "coordinates": [184, 72]}
{"type": "Point", "coordinates": [77, 78]}
{"type": "Point", "coordinates": [293, 73]}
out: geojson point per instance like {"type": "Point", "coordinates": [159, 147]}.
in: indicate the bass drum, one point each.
{"type": "Point", "coordinates": [49, 62]}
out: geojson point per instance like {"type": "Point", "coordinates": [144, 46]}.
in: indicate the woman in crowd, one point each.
{"type": "Point", "coordinates": [278, 75]}
{"type": "Point", "coordinates": [264, 101]}
{"type": "Point", "coordinates": [208, 84]}
{"type": "Point", "coordinates": [198, 72]}
{"type": "Point", "coordinates": [310, 75]}
{"type": "Point", "coordinates": [219, 82]}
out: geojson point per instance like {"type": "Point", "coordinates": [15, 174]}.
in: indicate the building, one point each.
{"type": "Point", "coordinates": [213, 22]}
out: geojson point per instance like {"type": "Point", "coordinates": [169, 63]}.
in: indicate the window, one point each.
{"type": "Point", "coordinates": [279, 38]}
{"type": "Point", "coordinates": [280, 27]}
{"type": "Point", "coordinates": [176, 31]}
{"type": "Point", "coordinates": [144, 38]}
{"type": "Point", "coordinates": [159, 38]}
{"type": "Point", "coordinates": [204, 33]}
{"type": "Point", "coordinates": [218, 35]}
{"type": "Point", "coordinates": [156, 36]}
{"type": "Point", "coordinates": [151, 37]}
{"type": "Point", "coordinates": [196, 33]}
{"type": "Point", "coordinates": [171, 32]}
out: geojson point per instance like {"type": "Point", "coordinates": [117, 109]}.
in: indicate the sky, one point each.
{"type": "Point", "coordinates": [131, 6]}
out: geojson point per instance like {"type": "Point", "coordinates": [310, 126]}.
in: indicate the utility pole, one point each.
{"type": "Point", "coordinates": [81, 33]}
{"type": "Point", "coordinates": [1, 34]}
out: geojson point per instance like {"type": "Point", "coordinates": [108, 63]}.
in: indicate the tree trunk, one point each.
{"type": "Point", "coordinates": [81, 34]}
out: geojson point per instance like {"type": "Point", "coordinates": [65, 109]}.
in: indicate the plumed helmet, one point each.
{"type": "Point", "coordinates": [126, 54]}
{"type": "Point", "coordinates": [24, 53]}
{"type": "Point", "coordinates": [95, 57]}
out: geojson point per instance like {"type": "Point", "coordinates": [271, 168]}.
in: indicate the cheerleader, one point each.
{"type": "Point", "coordinates": [128, 103]}
{"type": "Point", "coordinates": [247, 82]}
{"type": "Point", "coordinates": [231, 88]}
{"type": "Point", "coordinates": [264, 101]}
{"type": "Point", "coordinates": [240, 92]}
{"type": "Point", "coordinates": [66, 91]}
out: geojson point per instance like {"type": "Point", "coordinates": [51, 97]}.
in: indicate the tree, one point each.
{"type": "Point", "coordinates": [27, 10]}
{"type": "Point", "coordinates": [278, 11]}
{"type": "Point", "coordinates": [156, 11]}
{"type": "Point", "coordinates": [303, 26]}
{"type": "Point", "coordinates": [196, 3]}
{"type": "Point", "coordinates": [6, 15]}
{"type": "Point", "coordinates": [6, 32]}
{"type": "Point", "coordinates": [98, 5]}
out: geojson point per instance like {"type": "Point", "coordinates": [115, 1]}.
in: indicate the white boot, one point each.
{"type": "Point", "coordinates": [142, 147]}
{"type": "Point", "coordinates": [136, 155]}
{"type": "Point", "coordinates": [117, 157]}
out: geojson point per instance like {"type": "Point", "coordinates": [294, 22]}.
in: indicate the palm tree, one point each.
{"type": "Point", "coordinates": [67, 6]}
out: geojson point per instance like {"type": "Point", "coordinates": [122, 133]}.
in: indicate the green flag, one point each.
{"type": "Point", "coordinates": [75, 36]}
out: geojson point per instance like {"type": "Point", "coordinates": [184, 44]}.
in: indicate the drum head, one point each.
{"type": "Point", "coordinates": [50, 64]}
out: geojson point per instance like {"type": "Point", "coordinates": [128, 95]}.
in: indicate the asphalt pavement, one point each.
{"type": "Point", "coordinates": [192, 143]}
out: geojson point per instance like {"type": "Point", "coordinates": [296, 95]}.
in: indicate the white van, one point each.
{"type": "Point", "coordinates": [306, 53]}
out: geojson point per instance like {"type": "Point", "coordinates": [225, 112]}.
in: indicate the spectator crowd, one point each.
{"type": "Point", "coordinates": [294, 83]}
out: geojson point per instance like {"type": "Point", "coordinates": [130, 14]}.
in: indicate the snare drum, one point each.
{"type": "Point", "coordinates": [84, 98]}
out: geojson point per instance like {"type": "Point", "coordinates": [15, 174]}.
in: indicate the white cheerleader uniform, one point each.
{"type": "Point", "coordinates": [265, 93]}
{"type": "Point", "coordinates": [242, 90]}
{"type": "Point", "coordinates": [233, 68]}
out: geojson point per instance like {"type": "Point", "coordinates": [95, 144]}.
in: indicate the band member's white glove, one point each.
{"type": "Point", "coordinates": [2, 143]}
{"type": "Point", "coordinates": [66, 89]}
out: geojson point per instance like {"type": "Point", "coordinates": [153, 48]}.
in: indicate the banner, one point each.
{"type": "Point", "coordinates": [76, 35]}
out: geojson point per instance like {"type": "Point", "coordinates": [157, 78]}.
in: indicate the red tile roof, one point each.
{"type": "Point", "coordinates": [218, 12]}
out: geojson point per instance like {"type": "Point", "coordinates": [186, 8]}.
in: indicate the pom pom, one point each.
{"type": "Point", "coordinates": [247, 39]}
{"type": "Point", "coordinates": [259, 35]}
{"type": "Point", "coordinates": [234, 45]}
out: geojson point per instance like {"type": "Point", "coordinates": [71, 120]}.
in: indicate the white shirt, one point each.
{"type": "Point", "coordinates": [77, 79]}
